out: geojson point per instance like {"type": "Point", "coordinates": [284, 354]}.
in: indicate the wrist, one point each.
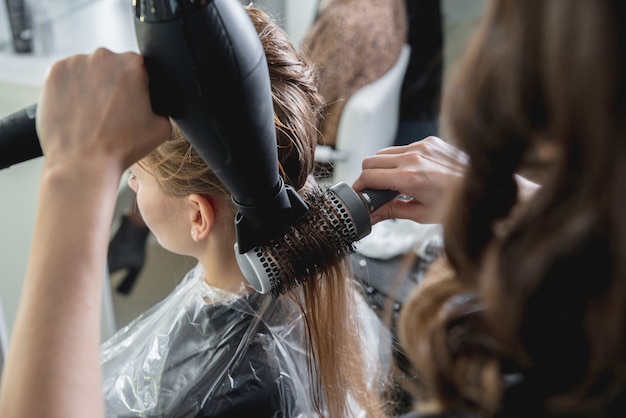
{"type": "Point", "coordinates": [85, 184]}
{"type": "Point", "coordinates": [80, 172]}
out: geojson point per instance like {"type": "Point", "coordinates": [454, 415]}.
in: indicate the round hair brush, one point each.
{"type": "Point", "coordinates": [337, 217]}
{"type": "Point", "coordinates": [208, 72]}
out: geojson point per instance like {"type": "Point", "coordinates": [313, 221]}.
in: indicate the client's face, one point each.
{"type": "Point", "coordinates": [163, 214]}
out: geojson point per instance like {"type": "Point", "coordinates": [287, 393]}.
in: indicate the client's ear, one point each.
{"type": "Point", "coordinates": [202, 216]}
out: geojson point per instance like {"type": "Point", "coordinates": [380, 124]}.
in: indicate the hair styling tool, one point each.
{"type": "Point", "coordinates": [337, 217]}
{"type": "Point", "coordinates": [18, 137]}
{"type": "Point", "coordinates": [208, 72]}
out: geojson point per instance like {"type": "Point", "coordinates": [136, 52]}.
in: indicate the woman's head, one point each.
{"type": "Point", "coordinates": [545, 75]}
{"type": "Point", "coordinates": [180, 171]}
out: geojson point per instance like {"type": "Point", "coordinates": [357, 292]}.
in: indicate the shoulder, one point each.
{"type": "Point", "coordinates": [258, 381]}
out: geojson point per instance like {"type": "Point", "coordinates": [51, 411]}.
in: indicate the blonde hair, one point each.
{"type": "Point", "coordinates": [335, 360]}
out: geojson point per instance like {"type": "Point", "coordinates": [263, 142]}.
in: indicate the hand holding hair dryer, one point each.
{"type": "Point", "coordinates": [208, 72]}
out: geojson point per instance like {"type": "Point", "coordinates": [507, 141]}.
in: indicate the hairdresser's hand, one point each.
{"type": "Point", "coordinates": [424, 170]}
{"type": "Point", "coordinates": [94, 119]}
{"type": "Point", "coordinates": [95, 108]}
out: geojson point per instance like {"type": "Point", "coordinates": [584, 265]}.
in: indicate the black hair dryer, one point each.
{"type": "Point", "coordinates": [208, 72]}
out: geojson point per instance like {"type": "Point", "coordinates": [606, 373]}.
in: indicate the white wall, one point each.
{"type": "Point", "coordinates": [299, 18]}
{"type": "Point", "coordinates": [295, 16]}
{"type": "Point", "coordinates": [18, 188]}
{"type": "Point", "coordinates": [460, 18]}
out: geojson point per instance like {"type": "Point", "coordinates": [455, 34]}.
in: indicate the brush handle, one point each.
{"type": "Point", "coordinates": [376, 198]}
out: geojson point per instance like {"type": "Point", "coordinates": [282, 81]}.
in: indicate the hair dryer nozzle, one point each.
{"type": "Point", "coordinates": [337, 217]}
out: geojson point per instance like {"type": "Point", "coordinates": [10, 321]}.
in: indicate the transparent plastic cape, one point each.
{"type": "Point", "coordinates": [205, 352]}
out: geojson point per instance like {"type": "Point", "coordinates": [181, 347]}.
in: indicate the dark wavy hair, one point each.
{"type": "Point", "coordinates": [550, 273]}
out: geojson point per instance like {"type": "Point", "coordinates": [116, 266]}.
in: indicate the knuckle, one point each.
{"type": "Point", "coordinates": [56, 68]}
{"type": "Point", "coordinates": [133, 64]}
{"type": "Point", "coordinates": [366, 161]}
{"type": "Point", "coordinates": [61, 67]}
{"type": "Point", "coordinates": [98, 57]}
{"type": "Point", "coordinates": [101, 52]}
{"type": "Point", "coordinates": [413, 158]}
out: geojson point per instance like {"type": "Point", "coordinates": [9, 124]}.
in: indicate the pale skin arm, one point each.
{"type": "Point", "coordinates": [427, 172]}
{"type": "Point", "coordinates": [94, 120]}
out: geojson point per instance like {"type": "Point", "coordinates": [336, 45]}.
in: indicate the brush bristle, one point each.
{"type": "Point", "coordinates": [320, 239]}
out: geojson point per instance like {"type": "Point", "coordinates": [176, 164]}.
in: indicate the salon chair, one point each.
{"type": "Point", "coordinates": [368, 123]}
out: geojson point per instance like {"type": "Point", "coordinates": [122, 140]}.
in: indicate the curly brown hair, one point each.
{"type": "Point", "coordinates": [550, 274]}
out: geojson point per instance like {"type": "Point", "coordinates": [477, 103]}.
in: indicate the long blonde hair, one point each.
{"type": "Point", "coordinates": [335, 362]}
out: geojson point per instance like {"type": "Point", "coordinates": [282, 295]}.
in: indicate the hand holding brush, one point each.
{"type": "Point", "coordinates": [408, 182]}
